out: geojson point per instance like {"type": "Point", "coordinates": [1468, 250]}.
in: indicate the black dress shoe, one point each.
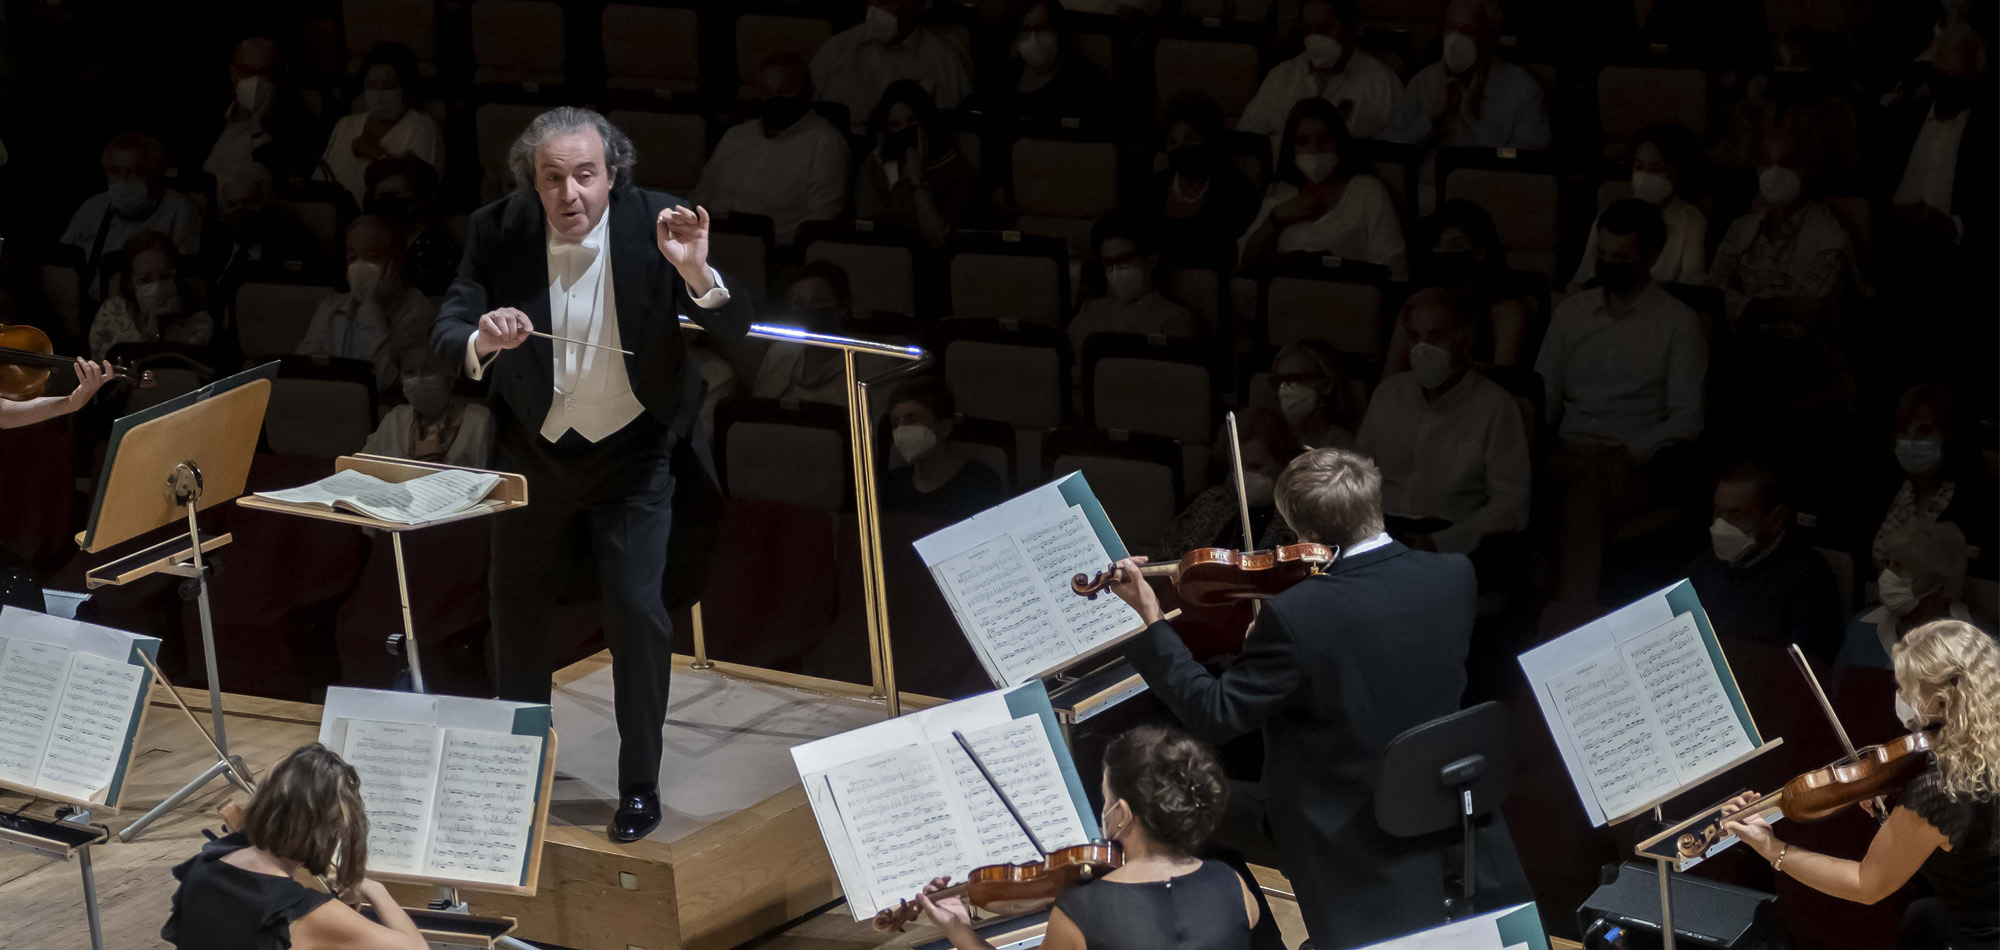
{"type": "Point", "coordinates": [638, 814]}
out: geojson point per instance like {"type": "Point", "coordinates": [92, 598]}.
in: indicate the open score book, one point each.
{"type": "Point", "coordinates": [899, 802]}
{"type": "Point", "coordinates": [71, 699]}
{"type": "Point", "coordinates": [421, 499]}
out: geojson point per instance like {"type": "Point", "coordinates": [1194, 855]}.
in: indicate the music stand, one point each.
{"type": "Point", "coordinates": [1449, 771]}
{"type": "Point", "coordinates": [162, 466]}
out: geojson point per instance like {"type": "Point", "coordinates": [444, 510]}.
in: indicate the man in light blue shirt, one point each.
{"type": "Point", "coordinates": [1469, 99]}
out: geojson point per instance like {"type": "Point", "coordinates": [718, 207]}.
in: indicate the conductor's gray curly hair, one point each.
{"type": "Point", "coordinates": [562, 120]}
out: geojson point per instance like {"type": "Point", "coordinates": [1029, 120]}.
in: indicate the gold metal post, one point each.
{"type": "Point", "coordinates": [864, 519]}
{"type": "Point", "coordinates": [701, 660]}
{"type": "Point", "coordinates": [872, 552]}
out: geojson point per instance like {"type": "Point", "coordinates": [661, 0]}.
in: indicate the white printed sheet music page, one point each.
{"type": "Point", "coordinates": [398, 765]}
{"type": "Point", "coordinates": [64, 717]}
{"type": "Point", "coordinates": [418, 500]}
{"type": "Point", "coordinates": [1017, 753]}
{"type": "Point", "coordinates": [31, 679]}
{"type": "Point", "coordinates": [457, 804]}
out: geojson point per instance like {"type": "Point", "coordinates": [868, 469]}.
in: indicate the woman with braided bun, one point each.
{"type": "Point", "coordinates": [1164, 793]}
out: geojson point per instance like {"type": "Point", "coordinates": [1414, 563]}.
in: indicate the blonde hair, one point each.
{"type": "Point", "coordinates": [1332, 494]}
{"type": "Point", "coordinates": [1955, 664]}
{"type": "Point", "coordinates": [308, 809]}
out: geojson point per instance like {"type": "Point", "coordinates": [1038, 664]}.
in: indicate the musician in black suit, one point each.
{"type": "Point", "coordinates": [579, 252]}
{"type": "Point", "coordinates": [1334, 669]}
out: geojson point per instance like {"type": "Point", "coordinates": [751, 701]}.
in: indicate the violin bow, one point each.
{"type": "Point", "coordinates": [997, 790]}
{"type": "Point", "coordinates": [1242, 494]}
{"type": "Point", "coordinates": [1805, 670]}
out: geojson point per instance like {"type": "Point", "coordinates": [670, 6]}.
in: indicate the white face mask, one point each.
{"type": "Point", "coordinates": [1895, 592]}
{"type": "Point", "coordinates": [1126, 281]}
{"type": "Point", "coordinates": [253, 93]}
{"type": "Point", "coordinates": [1104, 821]}
{"type": "Point", "coordinates": [1316, 166]}
{"type": "Point", "coordinates": [1460, 52]}
{"type": "Point", "coordinates": [384, 104]}
{"type": "Point", "coordinates": [1258, 489]}
{"type": "Point", "coordinates": [880, 24]}
{"type": "Point", "coordinates": [1431, 363]}
{"type": "Point", "coordinates": [1908, 716]}
{"type": "Point", "coordinates": [1730, 542]}
{"type": "Point", "coordinates": [1297, 401]}
{"type": "Point", "coordinates": [1037, 49]}
{"type": "Point", "coordinates": [1779, 185]}
{"type": "Point", "coordinates": [155, 297]}
{"type": "Point", "coordinates": [363, 277]}
{"type": "Point", "coordinates": [1322, 51]}
{"type": "Point", "coordinates": [129, 198]}
{"type": "Point", "coordinates": [915, 442]}
{"type": "Point", "coordinates": [1651, 186]}
{"type": "Point", "coordinates": [1918, 456]}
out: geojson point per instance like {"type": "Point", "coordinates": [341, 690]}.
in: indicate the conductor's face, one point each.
{"type": "Point", "coordinates": [574, 182]}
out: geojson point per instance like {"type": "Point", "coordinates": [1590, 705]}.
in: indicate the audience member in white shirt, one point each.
{"type": "Point", "coordinates": [1450, 443]}
{"type": "Point", "coordinates": [1365, 89]}
{"type": "Point", "coordinates": [265, 122]}
{"type": "Point", "coordinates": [1468, 98]}
{"type": "Point", "coordinates": [789, 164]}
{"type": "Point", "coordinates": [1320, 202]}
{"type": "Point", "coordinates": [136, 198]}
{"type": "Point", "coordinates": [857, 64]}
{"type": "Point", "coordinates": [1130, 302]}
{"type": "Point", "coordinates": [380, 318]}
{"type": "Point", "coordinates": [388, 126]}
{"type": "Point", "coordinates": [437, 424]}
{"type": "Point", "coordinates": [1663, 161]}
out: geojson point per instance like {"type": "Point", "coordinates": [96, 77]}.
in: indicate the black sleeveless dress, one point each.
{"type": "Point", "coordinates": [220, 906]}
{"type": "Point", "coordinates": [1966, 878]}
{"type": "Point", "coordinates": [1199, 910]}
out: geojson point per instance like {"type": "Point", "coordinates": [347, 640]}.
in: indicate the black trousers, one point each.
{"type": "Point", "coordinates": [619, 494]}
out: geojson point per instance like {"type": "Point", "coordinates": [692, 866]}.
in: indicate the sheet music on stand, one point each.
{"type": "Point", "coordinates": [1005, 573]}
{"type": "Point", "coordinates": [1512, 928]}
{"type": "Point", "coordinates": [899, 802]}
{"type": "Point", "coordinates": [1642, 704]}
{"type": "Point", "coordinates": [72, 700]}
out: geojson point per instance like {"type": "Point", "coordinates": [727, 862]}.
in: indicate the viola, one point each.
{"type": "Point", "coordinates": [27, 357]}
{"type": "Point", "coordinates": [1216, 577]}
{"type": "Point", "coordinates": [1009, 889]}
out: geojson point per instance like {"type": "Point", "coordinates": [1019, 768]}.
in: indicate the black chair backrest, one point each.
{"type": "Point", "coordinates": [1412, 796]}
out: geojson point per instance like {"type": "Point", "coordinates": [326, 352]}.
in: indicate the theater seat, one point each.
{"type": "Point", "coordinates": [672, 147]}
{"type": "Point", "coordinates": [784, 451]}
{"type": "Point", "coordinates": [651, 49]}
{"type": "Point", "coordinates": [272, 318]}
{"type": "Point", "coordinates": [320, 407]}
{"type": "Point", "coordinates": [518, 43]}
{"type": "Point", "coordinates": [1010, 276]}
{"type": "Point", "coordinates": [412, 23]}
{"type": "Point", "coordinates": [1137, 477]}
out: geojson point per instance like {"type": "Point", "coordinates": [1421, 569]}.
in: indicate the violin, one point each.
{"type": "Point", "coordinates": [1217, 577]}
{"type": "Point", "coordinates": [1866, 775]}
{"type": "Point", "coordinates": [27, 357]}
{"type": "Point", "coordinates": [1009, 889]}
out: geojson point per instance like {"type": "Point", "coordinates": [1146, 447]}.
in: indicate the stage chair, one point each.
{"type": "Point", "coordinates": [1324, 298]}
{"type": "Point", "coordinates": [518, 43]}
{"type": "Point", "coordinates": [760, 34]}
{"type": "Point", "coordinates": [495, 125]}
{"type": "Point", "coordinates": [881, 262]}
{"type": "Point", "coordinates": [1453, 770]}
{"type": "Point", "coordinates": [272, 318]}
{"type": "Point", "coordinates": [651, 49]}
{"type": "Point", "coordinates": [1008, 276]}
{"type": "Point", "coordinates": [412, 23]}
{"type": "Point", "coordinates": [1520, 190]}
{"type": "Point", "coordinates": [784, 450]}
{"type": "Point", "coordinates": [1137, 476]}
{"type": "Point", "coordinates": [1153, 385]}
{"type": "Point", "coordinates": [1631, 98]}
{"type": "Point", "coordinates": [672, 147]}
{"type": "Point", "coordinates": [320, 406]}
{"type": "Point", "coordinates": [1219, 63]}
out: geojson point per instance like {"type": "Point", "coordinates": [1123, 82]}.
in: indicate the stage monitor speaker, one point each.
{"type": "Point", "coordinates": [1706, 913]}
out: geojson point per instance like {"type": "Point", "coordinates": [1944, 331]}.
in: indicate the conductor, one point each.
{"type": "Point", "coordinates": [580, 253]}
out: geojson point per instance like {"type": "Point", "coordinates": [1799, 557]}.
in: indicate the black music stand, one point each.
{"type": "Point", "coordinates": [1449, 771]}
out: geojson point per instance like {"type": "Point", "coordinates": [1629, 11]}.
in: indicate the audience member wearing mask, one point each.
{"type": "Point", "coordinates": [789, 164]}
{"type": "Point", "coordinates": [1921, 582]}
{"type": "Point", "coordinates": [1318, 204]}
{"type": "Point", "coordinates": [436, 423]}
{"type": "Point", "coordinates": [1759, 580]}
{"type": "Point", "coordinates": [136, 198]}
{"type": "Point", "coordinates": [1943, 198]}
{"type": "Point", "coordinates": [380, 318]}
{"type": "Point", "coordinates": [1792, 253]}
{"type": "Point", "coordinates": [401, 190]}
{"type": "Point", "coordinates": [1130, 302]}
{"type": "Point", "coordinates": [858, 65]}
{"type": "Point", "coordinates": [1214, 519]}
{"type": "Point", "coordinates": [1044, 81]}
{"type": "Point", "coordinates": [819, 301]}
{"type": "Point", "coordinates": [1364, 89]}
{"type": "Point", "coordinates": [934, 480]}
{"type": "Point", "coordinates": [1664, 157]}
{"type": "Point", "coordinates": [1468, 98]}
{"type": "Point", "coordinates": [1624, 366]}
{"type": "Point", "coordinates": [1202, 201]}
{"type": "Point", "coordinates": [1451, 444]}
{"type": "Point", "coordinates": [1467, 258]}
{"type": "Point", "coordinates": [251, 241]}
{"type": "Point", "coordinates": [264, 122]}
{"type": "Point", "coordinates": [1311, 396]}
{"type": "Point", "coordinates": [147, 302]}
{"type": "Point", "coordinates": [1940, 478]}
{"type": "Point", "coordinates": [911, 179]}
{"type": "Point", "coordinates": [1802, 96]}
{"type": "Point", "coordinates": [388, 125]}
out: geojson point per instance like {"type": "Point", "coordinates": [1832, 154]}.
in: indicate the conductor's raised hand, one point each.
{"type": "Point", "coordinates": [682, 233]}
{"type": "Point", "coordinates": [502, 329]}
{"type": "Point", "coordinates": [1132, 587]}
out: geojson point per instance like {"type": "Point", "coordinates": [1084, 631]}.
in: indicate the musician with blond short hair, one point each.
{"type": "Point", "coordinates": [1334, 669]}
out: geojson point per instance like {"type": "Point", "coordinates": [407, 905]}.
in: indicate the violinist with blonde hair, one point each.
{"type": "Point", "coordinates": [1944, 827]}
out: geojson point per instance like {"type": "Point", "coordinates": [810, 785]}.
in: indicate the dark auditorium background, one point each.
{"type": "Point", "coordinates": [1720, 270]}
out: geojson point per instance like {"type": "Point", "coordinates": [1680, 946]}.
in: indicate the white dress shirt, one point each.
{"type": "Point", "coordinates": [1380, 538]}
{"type": "Point", "coordinates": [593, 395]}
{"type": "Point", "coordinates": [1933, 164]}
{"type": "Point", "coordinates": [1361, 226]}
{"type": "Point", "coordinates": [852, 69]}
{"type": "Point", "coordinates": [415, 134]}
{"type": "Point", "coordinates": [796, 176]}
{"type": "Point", "coordinates": [1462, 457]}
{"type": "Point", "coordinates": [1366, 91]}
